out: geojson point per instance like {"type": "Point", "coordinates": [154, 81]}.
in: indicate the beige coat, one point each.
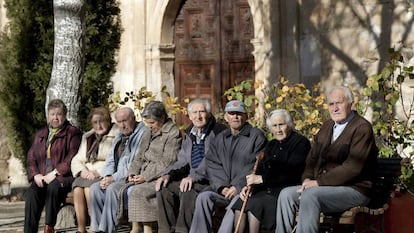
{"type": "Point", "coordinates": [79, 162]}
{"type": "Point", "coordinates": [156, 153]}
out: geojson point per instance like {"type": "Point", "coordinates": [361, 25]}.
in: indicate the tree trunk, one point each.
{"type": "Point", "coordinates": [68, 60]}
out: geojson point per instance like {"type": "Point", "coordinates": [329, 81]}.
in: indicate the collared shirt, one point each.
{"type": "Point", "coordinates": [339, 127]}
{"type": "Point", "coordinates": [199, 137]}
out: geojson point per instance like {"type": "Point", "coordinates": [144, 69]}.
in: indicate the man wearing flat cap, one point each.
{"type": "Point", "coordinates": [231, 157]}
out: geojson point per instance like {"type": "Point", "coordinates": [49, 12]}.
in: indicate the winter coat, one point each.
{"type": "Point", "coordinates": [156, 153]}
{"type": "Point", "coordinates": [80, 161]}
{"type": "Point", "coordinates": [65, 145]}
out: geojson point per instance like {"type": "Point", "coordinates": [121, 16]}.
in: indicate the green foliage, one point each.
{"type": "Point", "coordinates": [103, 37]}
{"type": "Point", "coordinates": [26, 58]}
{"type": "Point", "coordinates": [383, 96]}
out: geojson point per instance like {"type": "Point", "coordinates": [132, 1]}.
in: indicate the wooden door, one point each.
{"type": "Point", "coordinates": [213, 49]}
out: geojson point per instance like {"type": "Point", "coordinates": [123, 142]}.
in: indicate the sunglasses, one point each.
{"type": "Point", "coordinates": [235, 113]}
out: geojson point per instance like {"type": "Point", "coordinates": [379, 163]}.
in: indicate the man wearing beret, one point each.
{"type": "Point", "coordinates": [231, 157]}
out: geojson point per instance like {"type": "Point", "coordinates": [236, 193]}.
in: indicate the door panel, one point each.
{"type": "Point", "coordinates": [213, 50]}
{"type": "Point", "coordinates": [196, 80]}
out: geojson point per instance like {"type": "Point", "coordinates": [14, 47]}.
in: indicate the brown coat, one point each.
{"type": "Point", "coordinates": [350, 160]}
{"type": "Point", "coordinates": [156, 153]}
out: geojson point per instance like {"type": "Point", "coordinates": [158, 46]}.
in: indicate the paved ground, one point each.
{"type": "Point", "coordinates": [12, 217]}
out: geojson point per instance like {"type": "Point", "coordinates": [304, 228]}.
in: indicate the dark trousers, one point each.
{"type": "Point", "coordinates": [51, 196]}
{"type": "Point", "coordinates": [171, 218]}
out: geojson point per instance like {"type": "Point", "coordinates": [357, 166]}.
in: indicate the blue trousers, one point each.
{"type": "Point", "coordinates": [202, 219]}
{"type": "Point", "coordinates": [310, 203]}
{"type": "Point", "coordinates": [104, 206]}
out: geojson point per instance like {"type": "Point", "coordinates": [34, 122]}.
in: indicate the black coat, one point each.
{"type": "Point", "coordinates": [283, 163]}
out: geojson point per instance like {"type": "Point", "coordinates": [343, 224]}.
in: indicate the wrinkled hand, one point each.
{"type": "Point", "coordinates": [308, 183]}
{"type": "Point", "coordinates": [229, 193]}
{"type": "Point", "coordinates": [84, 173]}
{"type": "Point", "coordinates": [161, 182]}
{"type": "Point", "coordinates": [131, 178]}
{"type": "Point", "coordinates": [87, 174]}
{"type": "Point", "coordinates": [38, 179]}
{"type": "Point", "coordinates": [186, 184]}
{"type": "Point", "coordinates": [106, 181]}
{"type": "Point", "coordinates": [49, 177]}
{"type": "Point", "coordinates": [137, 179]}
{"type": "Point", "coordinates": [243, 193]}
{"type": "Point", "coordinates": [254, 179]}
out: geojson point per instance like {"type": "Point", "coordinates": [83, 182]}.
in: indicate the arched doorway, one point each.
{"type": "Point", "coordinates": [213, 49]}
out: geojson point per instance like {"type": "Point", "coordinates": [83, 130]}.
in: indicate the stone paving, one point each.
{"type": "Point", "coordinates": [12, 218]}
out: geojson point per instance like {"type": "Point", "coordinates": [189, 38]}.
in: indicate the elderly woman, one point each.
{"type": "Point", "coordinates": [282, 166]}
{"type": "Point", "coordinates": [48, 167]}
{"type": "Point", "coordinates": [89, 161]}
{"type": "Point", "coordinates": [158, 150]}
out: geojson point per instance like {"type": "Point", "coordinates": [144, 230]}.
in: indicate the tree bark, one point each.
{"type": "Point", "coordinates": [68, 60]}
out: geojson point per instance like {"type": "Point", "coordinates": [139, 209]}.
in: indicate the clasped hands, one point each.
{"type": "Point", "coordinates": [88, 174]}
{"type": "Point", "coordinates": [229, 192]}
{"type": "Point", "coordinates": [136, 179]}
{"type": "Point", "coordinates": [105, 182]}
{"type": "Point", "coordinates": [41, 180]}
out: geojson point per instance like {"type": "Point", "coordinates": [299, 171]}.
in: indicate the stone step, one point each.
{"type": "Point", "coordinates": [10, 210]}
{"type": "Point", "coordinates": [12, 219]}
{"type": "Point", "coordinates": [12, 216]}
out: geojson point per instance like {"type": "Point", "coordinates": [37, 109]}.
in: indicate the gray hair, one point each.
{"type": "Point", "coordinates": [155, 110]}
{"type": "Point", "coordinates": [280, 112]}
{"type": "Point", "coordinates": [129, 110]}
{"type": "Point", "coordinates": [349, 96]}
{"type": "Point", "coordinates": [206, 103]}
{"type": "Point", "coordinates": [57, 103]}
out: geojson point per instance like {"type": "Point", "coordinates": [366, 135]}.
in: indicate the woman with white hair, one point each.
{"type": "Point", "coordinates": [282, 166]}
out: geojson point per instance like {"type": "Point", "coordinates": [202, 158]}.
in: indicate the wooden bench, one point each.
{"type": "Point", "coordinates": [66, 219]}
{"type": "Point", "coordinates": [371, 217]}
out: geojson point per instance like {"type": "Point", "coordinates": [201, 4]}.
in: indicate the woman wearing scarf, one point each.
{"type": "Point", "coordinates": [88, 163]}
{"type": "Point", "coordinates": [48, 168]}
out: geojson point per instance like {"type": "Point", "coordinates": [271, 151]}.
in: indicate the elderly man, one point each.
{"type": "Point", "coordinates": [104, 194]}
{"type": "Point", "coordinates": [231, 157]}
{"type": "Point", "coordinates": [178, 188]}
{"type": "Point", "coordinates": [339, 168]}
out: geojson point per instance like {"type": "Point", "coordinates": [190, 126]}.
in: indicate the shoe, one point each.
{"type": "Point", "coordinates": [49, 229]}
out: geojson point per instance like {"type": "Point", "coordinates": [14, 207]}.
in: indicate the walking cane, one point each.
{"type": "Point", "coordinates": [248, 191]}
{"type": "Point", "coordinates": [294, 229]}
